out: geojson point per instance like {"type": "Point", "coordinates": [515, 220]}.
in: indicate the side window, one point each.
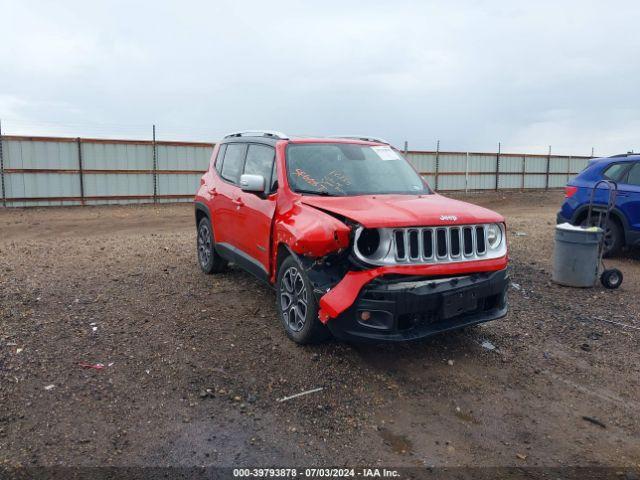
{"type": "Point", "coordinates": [634, 175]}
{"type": "Point", "coordinates": [260, 162]}
{"type": "Point", "coordinates": [233, 162]}
{"type": "Point", "coordinates": [220, 157]}
{"type": "Point", "coordinates": [616, 171]}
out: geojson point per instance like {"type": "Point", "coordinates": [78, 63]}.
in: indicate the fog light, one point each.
{"type": "Point", "coordinates": [378, 319]}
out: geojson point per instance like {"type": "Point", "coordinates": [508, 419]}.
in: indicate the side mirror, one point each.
{"type": "Point", "coordinates": [252, 183]}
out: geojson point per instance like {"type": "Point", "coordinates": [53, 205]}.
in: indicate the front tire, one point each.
{"type": "Point", "coordinates": [208, 259]}
{"type": "Point", "coordinates": [297, 305]}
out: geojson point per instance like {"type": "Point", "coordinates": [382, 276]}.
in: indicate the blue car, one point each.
{"type": "Point", "coordinates": [623, 227]}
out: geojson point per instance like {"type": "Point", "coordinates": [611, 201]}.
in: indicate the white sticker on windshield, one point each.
{"type": "Point", "coordinates": [386, 153]}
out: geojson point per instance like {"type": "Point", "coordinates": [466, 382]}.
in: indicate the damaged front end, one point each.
{"type": "Point", "coordinates": [410, 307]}
{"type": "Point", "coordinates": [411, 282]}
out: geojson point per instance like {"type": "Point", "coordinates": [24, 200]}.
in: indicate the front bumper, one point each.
{"type": "Point", "coordinates": [408, 310]}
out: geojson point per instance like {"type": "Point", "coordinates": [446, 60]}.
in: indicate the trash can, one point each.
{"type": "Point", "coordinates": [575, 260]}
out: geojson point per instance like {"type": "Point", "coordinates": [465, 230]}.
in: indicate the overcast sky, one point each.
{"type": "Point", "coordinates": [470, 73]}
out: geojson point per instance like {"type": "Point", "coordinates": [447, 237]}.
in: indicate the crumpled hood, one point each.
{"type": "Point", "coordinates": [375, 211]}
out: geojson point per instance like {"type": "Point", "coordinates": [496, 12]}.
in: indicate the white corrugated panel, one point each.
{"type": "Point", "coordinates": [576, 165]}
{"type": "Point", "coordinates": [559, 165]}
{"type": "Point", "coordinates": [423, 162]}
{"type": "Point", "coordinates": [117, 156]}
{"type": "Point", "coordinates": [535, 181]}
{"type": "Point", "coordinates": [536, 164]}
{"type": "Point", "coordinates": [451, 182]}
{"type": "Point", "coordinates": [482, 182]}
{"type": "Point", "coordinates": [452, 162]}
{"type": "Point", "coordinates": [511, 163]}
{"type": "Point", "coordinates": [48, 155]}
{"type": "Point", "coordinates": [185, 157]}
{"type": "Point", "coordinates": [111, 184]}
{"type": "Point", "coordinates": [42, 185]}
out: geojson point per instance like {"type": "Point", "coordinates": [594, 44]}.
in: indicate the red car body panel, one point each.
{"type": "Point", "coordinates": [375, 211]}
{"type": "Point", "coordinates": [311, 233]}
{"type": "Point", "coordinates": [308, 225]}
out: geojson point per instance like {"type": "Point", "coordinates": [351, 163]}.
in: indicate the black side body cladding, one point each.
{"type": "Point", "coordinates": [244, 261]}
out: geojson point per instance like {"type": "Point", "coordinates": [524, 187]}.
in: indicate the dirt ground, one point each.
{"type": "Point", "coordinates": [194, 364]}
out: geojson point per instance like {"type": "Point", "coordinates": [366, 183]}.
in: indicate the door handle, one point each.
{"type": "Point", "coordinates": [213, 192]}
{"type": "Point", "coordinates": [238, 202]}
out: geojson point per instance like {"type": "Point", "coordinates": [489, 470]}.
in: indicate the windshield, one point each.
{"type": "Point", "coordinates": [339, 169]}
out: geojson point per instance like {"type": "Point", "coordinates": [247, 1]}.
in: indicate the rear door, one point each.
{"type": "Point", "coordinates": [225, 205]}
{"type": "Point", "coordinates": [629, 196]}
{"type": "Point", "coordinates": [255, 211]}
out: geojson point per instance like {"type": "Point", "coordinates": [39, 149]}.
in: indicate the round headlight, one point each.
{"type": "Point", "coordinates": [494, 235]}
{"type": "Point", "coordinates": [372, 244]}
{"type": "Point", "coordinates": [369, 241]}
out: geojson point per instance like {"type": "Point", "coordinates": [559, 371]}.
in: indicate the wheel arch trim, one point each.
{"type": "Point", "coordinates": [201, 207]}
{"type": "Point", "coordinates": [616, 212]}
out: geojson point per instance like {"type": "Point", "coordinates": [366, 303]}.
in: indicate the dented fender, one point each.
{"type": "Point", "coordinates": [312, 233]}
{"type": "Point", "coordinates": [309, 232]}
{"type": "Point", "coordinates": [345, 292]}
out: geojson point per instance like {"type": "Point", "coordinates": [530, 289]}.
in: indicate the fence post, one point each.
{"type": "Point", "coordinates": [4, 194]}
{"type": "Point", "coordinates": [80, 170]}
{"type": "Point", "coordinates": [498, 166]}
{"type": "Point", "coordinates": [593, 151]}
{"type": "Point", "coordinates": [546, 182]}
{"type": "Point", "coordinates": [524, 171]}
{"type": "Point", "coordinates": [406, 148]}
{"type": "Point", "coordinates": [568, 169]}
{"type": "Point", "coordinates": [466, 174]}
{"type": "Point", "coordinates": [155, 167]}
{"type": "Point", "coordinates": [437, 162]}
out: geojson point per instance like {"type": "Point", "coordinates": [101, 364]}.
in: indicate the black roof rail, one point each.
{"type": "Point", "coordinates": [364, 138]}
{"type": "Point", "coordinates": [258, 133]}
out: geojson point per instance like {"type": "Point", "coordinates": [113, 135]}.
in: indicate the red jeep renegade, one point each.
{"type": "Point", "coordinates": [352, 238]}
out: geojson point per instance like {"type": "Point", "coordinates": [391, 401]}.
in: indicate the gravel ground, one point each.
{"type": "Point", "coordinates": [194, 364]}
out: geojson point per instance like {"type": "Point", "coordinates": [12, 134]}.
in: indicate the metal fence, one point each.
{"type": "Point", "coordinates": [43, 171]}
{"type": "Point", "coordinates": [77, 171]}
{"type": "Point", "coordinates": [455, 171]}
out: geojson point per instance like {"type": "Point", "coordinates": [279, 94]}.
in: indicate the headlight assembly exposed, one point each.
{"type": "Point", "coordinates": [372, 244]}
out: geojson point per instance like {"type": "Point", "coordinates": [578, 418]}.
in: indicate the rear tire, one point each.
{"type": "Point", "coordinates": [208, 259]}
{"type": "Point", "coordinates": [297, 305]}
{"type": "Point", "coordinates": [613, 236]}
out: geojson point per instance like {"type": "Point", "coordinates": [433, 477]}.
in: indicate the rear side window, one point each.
{"type": "Point", "coordinates": [634, 175]}
{"type": "Point", "coordinates": [233, 162]}
{"type": "Point", "coordinates": [260, 162]}
{"type": "Point", "coordinates": [220, 157]}
{"type": "Point", "coordinates": [616, 171]}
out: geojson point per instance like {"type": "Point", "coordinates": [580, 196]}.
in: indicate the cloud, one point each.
{"type": "Point", "coordinates": [470, 73]}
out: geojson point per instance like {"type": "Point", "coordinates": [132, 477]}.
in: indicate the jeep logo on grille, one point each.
{"type": "Point", "coordinates": [448, 218]}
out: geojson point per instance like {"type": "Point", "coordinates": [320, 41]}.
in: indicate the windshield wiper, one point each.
{"type": "Point", "coordinates": [322, 193]}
